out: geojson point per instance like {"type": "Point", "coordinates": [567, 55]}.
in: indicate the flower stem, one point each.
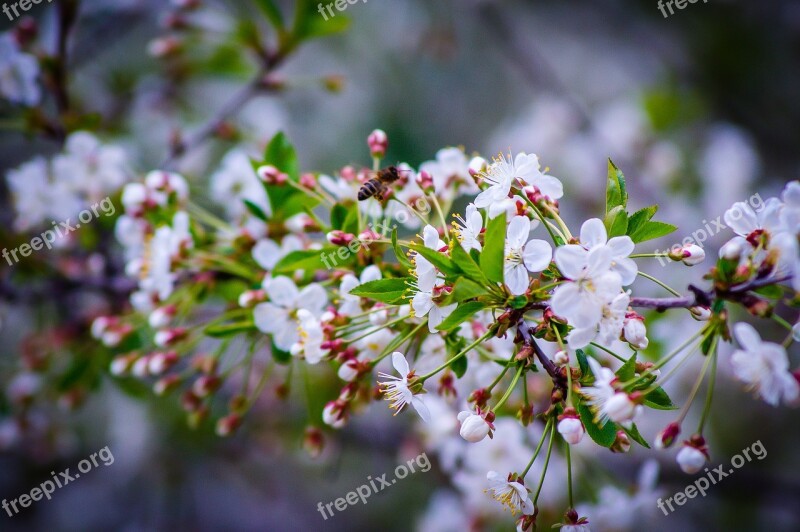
{"type": "Point", "coordinates": [538, 448]}
{"type": "Point", "coordinates": [510, 389]}
{"type": "Point", "coordinates": [711, 381]}
{"type": "Point", "coordinates": [456, 357]}
{"type": "Point", "coordinates": [569, 474]}
{"type": "Point", "coordinates": [659, 283]}
{"type": "Point", "coordinates": [546, 463]}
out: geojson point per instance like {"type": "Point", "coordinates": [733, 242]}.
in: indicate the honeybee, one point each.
{"type": "Point", "coordinates": [378, 185]}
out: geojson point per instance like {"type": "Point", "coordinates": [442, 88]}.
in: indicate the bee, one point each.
{"type": "Point", "coordinates": [378, 185]}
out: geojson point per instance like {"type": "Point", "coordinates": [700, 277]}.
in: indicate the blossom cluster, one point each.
{"type": "Point", "coordinates": [502, 313]}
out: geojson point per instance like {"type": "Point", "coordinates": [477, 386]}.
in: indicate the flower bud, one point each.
{"type": "Point", "coordinates": [158, 363]}
{"type": "Point", "coordinates": [349, 371]}
{"type": "Point", "coordinates": [271, 175]}
{"type": "Point", "coordinates": [228, 425]}
{"type": "Point", "coordinates": [731, 250]}
{"type": "Point", "coordinates": [561, 358]}
{"type": "Point", "coordinates": [340, 238]}
{"type": "Point", "coordinates": [378, 143]}
{"type": "Point", "coordinates": [161, 316]}
{"type": "Point", "coordinates": [473, 427]}
{"type": "Point", "coordinates": [335, 414]}
{"type": "Point", "coordinates": [140, 367]}
{"type": "Point", "coordinates": [251, 298]}
{"type": "Point", "coordinates": [700, 313]}
{"type": "Point", "coordinates": [166, 384]}
{"type": "Point", "coordinates": [622, 444]}
{"type": "Point", "coordinates": [170, 336]}
{"type": "Point", "coordinates": [313, 441]}
{"type": "Point", "coordinates": [309, 181]}
{"type": "Point", "coordinates": [635, 332]}
{"type": "Point", "coordinates": [796, 332]}
{"type": "Point", "coordinates": [206, 385]}
{"type": "Point", "coordinates": [620, 408]}
{"type": "Point", "coordinates": [690, 255]}
{"type": "Point", "coordinates": [666, 437]}
{"type": "Point", "coordinates": [691, 458]}
{"type": "Point", "coordinates": [571, 428]}
{"type": "Point", "coordinates": [425, 182]}
{"type": "Point", "coordinates": [163, 47]}
{"type": "Point", "coordinates": [122, 364]}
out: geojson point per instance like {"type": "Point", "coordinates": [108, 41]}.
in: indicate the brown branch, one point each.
{"type": "Point", "coordinates": [559, 381]}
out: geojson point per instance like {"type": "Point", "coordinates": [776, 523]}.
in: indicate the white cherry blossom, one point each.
{"type": "Point", "coordinates": [277, 316]}
{"type": "Point", "coordinates": [397, 391]}
{"type": "Point", "coordinates": [522, 256]}
{"type": "Point", "coordinates": [763, 367]}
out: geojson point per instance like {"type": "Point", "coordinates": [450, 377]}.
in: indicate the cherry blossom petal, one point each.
{"type": "Point", "coordinates": [282, 291]}
{"type": "Point", "coordinates": [571, 260]}
{"type": "Point", "coordinates": [537, 255]}
{"type": "Point", "coordinates": [593, 233]}
{"type": "Point", "coordinates": [400, 363]}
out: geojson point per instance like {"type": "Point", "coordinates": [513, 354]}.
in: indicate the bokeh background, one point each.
{"type": "Point", "coordinates": [700, 110]}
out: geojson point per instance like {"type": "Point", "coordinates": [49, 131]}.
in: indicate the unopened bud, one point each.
{"type": "Point", "coordinates": [425, 182]}
{"type": "Point", "coordinates": [228, 425]}
{"type": "Point", "coordinates": [622, 444]}
{"type": "Point", "coordinates": [378, 143]}
{"type": "Point", "coordinates": [271, 175]}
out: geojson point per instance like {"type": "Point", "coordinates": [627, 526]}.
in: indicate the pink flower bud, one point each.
{"type": "Point", "coordinates": [271, 175]}
{"type": "Point", "coordinates": [635, 332]}
{"type": "Point", "coordinates": [340, 238]}
{"type": "Point", "coordinates": [571, 429]}
{"type": "Point", "coordinates": [666, 437]}
{"type": "Point", "coordinates": [170, 336]}
{"type": "Point", "coordinates": [228, 425]}
{"type": "Point", "coordinates": [378, 143]}
{"type": "Point", "coordinates": [308, 181]}
{"type": "Point", "coordinates": [425, 182]}
{"type": "Point", "coordinates": [334, 414]}
{"type": "Point", "coordinates": [690, 255]}
{"type": "Point", "coordinates": [349, 371]}
{"type": "Point", "coordinates": [161, 316]}
{"type": "Point", "coordinates": [251, 298]}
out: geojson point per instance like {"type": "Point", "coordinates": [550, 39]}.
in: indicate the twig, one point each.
{"type": "Point", "coordinates": [558, 379]}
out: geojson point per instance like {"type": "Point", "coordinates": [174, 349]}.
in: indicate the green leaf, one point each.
{"type": "Point", "coordinates": [338, 214]}
{"type": "Point", "coordinates": [442, 262]}
{"type": "Point", "coordinates": [616, 192]}
{"type": "Point", "coordinates": [652, 230]}
{"type": "Point", "coordinates": [771, 292]}
{"type": "Point", "coordinates": [351, 221]}
{"type": "Point", "coordinates": [628, 370]}
{"type": "Point", "coordinates": [312, 260]}
{"type": "Point", "coordinates": [616, 222]}
{"type": "Point", "coordinates": [272, 12]}
{"type": "Point", "coordinates": [230, 329]}
{"type": "Point", "coordinates": [493, 254]}
{"type": "Point", "coordinates": [605, 435]}
{"type": "Point", "coordinates": [401, 257]}
{"type": "Point", "coordinates": [659, 400]}
{"type": "Point", "coordinates": [461, 314]}
{"type": "Point", "coordinates": [583, 363]}
{"type": "Point", "coordinates": [459, 365]}
{"type": "Point", "coordinates": [466, 289]}
{"type": "Point", "coordinates": [309, 22]}
{"type": "Point", "coordinates": [390, 291]}
{"type": "Point", "coordinates": [281, 154]}
{"type": "Point", "coordinates": [255, 210]}
{"type": "Point", "coordinates": [465, 263]}
{"type": "Point", "coordinates": [640, 218]}
{"type": "Point", "coordinates": [634, 434]}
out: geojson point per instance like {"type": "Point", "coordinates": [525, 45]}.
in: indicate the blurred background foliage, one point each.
{"type": "Point", "coordinates": [699, 109]}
